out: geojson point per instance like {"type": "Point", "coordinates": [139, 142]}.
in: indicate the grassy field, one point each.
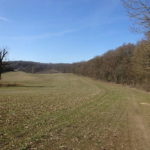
{"type": "Point", "coordinates": [69, 112]}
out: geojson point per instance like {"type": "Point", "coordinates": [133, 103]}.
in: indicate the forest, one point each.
{"type": "Point", "coordinates": [128, 64]}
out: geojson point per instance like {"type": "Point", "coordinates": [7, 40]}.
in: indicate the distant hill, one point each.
{"type": "Point", "coordinates": [36, 67]}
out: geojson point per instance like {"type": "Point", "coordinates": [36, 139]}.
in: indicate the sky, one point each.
{"type": "Point", "coordinates": [63, 31]}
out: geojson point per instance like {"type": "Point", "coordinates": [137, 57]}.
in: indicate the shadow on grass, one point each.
{"type": "Point", "coordinates": [18, 85]}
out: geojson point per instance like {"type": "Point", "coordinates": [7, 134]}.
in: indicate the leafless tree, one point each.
{"type": "Point", "coordinates": [139, 10]}
{"type": "Point", "coordinates": [3, 54]}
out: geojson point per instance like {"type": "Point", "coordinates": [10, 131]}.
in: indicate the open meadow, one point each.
{"type": "Point", "coordinates": [70, 112]}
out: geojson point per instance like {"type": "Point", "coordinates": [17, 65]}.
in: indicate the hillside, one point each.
{"type": "Point", "coordinates": [69, 112]}
{"type": "Point", "coordinates": [37, 67]}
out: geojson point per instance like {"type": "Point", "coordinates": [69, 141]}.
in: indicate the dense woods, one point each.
{"type": "Point", "coordinates": [128, 64]}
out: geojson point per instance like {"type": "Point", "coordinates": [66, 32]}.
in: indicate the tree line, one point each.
{"type": "Point", "coordinates": [128, 64]}
{"type": "Point", "coordinates": [37, 67]}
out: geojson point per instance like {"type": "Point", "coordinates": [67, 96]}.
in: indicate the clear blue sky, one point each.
{"type": "Point", "coordinates": [62, 30]}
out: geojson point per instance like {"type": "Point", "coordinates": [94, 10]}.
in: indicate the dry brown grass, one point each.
{"type": "Point", "coordinates": [67, 112]}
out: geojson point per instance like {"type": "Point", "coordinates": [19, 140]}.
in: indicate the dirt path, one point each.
{"type": "Point", "coordinates": [138, 128]}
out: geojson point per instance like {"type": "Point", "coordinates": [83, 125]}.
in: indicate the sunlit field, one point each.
{"type": "Point", "coordinates": [70, 112]}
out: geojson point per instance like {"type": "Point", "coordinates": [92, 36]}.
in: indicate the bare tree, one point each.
{"type": "Point", "coordinates": [139, 10]}
{"type": "Point", "coordinates": [3, 54]}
